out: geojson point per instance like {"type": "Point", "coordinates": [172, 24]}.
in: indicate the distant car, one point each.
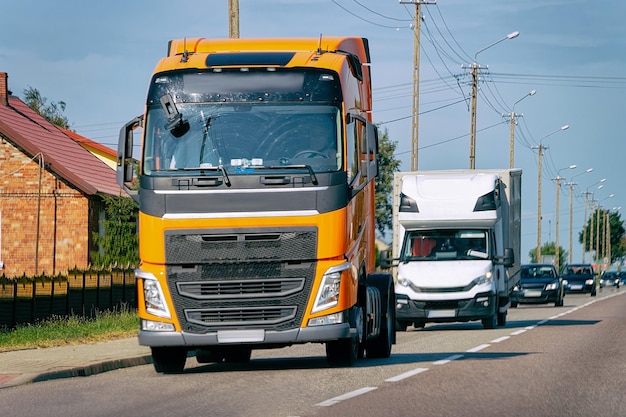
{"type": "Point", "coordinates": [580, 278]}
{"type": "Point", "coordinates": [610, 279]}
{"type": "Point", "coordinates": [539, 284]}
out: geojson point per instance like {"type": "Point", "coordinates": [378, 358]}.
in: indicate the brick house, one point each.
{"type": "Point", "coordinates": [51, 192]}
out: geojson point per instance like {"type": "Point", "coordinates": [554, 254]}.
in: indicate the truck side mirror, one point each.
{"type": "Point", "coordinates": [385, 260]}
{"type": "Point", "coordinates": [509, 257]}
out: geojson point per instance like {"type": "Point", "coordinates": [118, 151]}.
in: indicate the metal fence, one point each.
{"type": "Point", "coordinates": [79, 293]}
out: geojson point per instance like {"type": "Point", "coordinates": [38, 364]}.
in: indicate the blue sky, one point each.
{"type": "Point", "coordinates": [97, 57]}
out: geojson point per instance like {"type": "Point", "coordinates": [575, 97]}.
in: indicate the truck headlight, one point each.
{"type": "Point", "coordinates": [153, 295]}
{"type": "Point", "coordinates": [328, 293]}
{"type": "Point", "coordinates": [484, 279]}
{"type": "Point", "coordinates": [405, 282]}
{"type": "Point", "coordinates": [552, 286]}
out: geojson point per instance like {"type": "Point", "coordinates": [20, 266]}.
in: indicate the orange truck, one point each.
{"type": "Point", "coordinates": [255, 188]}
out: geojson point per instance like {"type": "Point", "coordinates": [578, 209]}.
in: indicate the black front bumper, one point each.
{"type": "Point", "coordinates": [480, 307]}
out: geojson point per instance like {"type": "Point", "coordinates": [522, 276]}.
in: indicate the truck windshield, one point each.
{"type": "Point", "coordinates": [445, 244]}
{"type": "Point", "coordinates": [240, 137]}
{"type": "Point", "coordinates": [241, 120]}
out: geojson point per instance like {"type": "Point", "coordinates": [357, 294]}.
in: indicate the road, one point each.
{"type": "Point", "coordinates": [547, 361]}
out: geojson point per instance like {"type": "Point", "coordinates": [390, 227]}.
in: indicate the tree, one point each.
{"type": "Point", "coordinates": [549, 249]}
{"type": "Point", "coordinates": [52, 112]}
{"type": "Point", "coordinates": [387, 165]}
{"type": "Point", "coordinates": [119, 244]}
{"type": "Point", "coordinates": [596, 224]}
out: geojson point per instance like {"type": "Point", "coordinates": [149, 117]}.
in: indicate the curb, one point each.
{"type": "Point", "coordinates": [88, 370]}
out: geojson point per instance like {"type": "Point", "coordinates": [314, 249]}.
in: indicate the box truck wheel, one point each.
{"type": "Point", "coordinates": [502, 319]}
{"type": "Point", "coordinates": [491, 321]}
{"type": "Point", "coordinates": [169, 360]}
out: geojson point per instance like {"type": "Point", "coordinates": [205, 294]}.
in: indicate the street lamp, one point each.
{"type": "Point", "coordinates": [598, 209]}
{"type": "Point", "coordinates": [571, 212]}
{"type": "Point", "coordinates": [541, 147]}
{"type": "Point", "coordinates": [512, 116]}
{"type": "Point", "coordinates": [475, 68]}
{"type": "Point", "coordinates": [558, 195]}
{"type": "Point", "coordinates": [590, 229]}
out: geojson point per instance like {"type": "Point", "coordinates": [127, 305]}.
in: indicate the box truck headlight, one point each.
{"type": "Point", "coordinates": [328, 293]}
{"type": "Point", "coordinates": [153, 295]}
{"type": "Point", "coordinates": [405, 282]}
{"type": "Point", "coordinates": [484, 279]}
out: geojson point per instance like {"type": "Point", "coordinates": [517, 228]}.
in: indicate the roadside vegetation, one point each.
{"type": "Point", "coordinates": [74, 330]}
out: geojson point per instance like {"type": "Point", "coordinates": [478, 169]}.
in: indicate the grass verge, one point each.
{"type": "Point", "coordinates": [63, 331]}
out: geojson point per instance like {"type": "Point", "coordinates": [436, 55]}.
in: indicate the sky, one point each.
{"type": "Point", "coordinates": [98, 58]}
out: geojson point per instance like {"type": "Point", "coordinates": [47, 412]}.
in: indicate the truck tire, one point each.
{"type": "Point", "coordinates": [169, 360]}
{"type": "Point", "coordinates": [345, 352]}
{"type": "Point", "coordinates": [491, 321]}
{"type": "Point", "coordinates": [502, 319]}
{"type": "Point", "coordinates": [380, 347]}
{"type": "Point", "coordinates": [342, 352]}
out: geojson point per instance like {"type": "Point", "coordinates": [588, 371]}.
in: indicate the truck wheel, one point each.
{"type": "Point", "coordinates": [342, 351]}
{"type": "Point", "coordinates": [381, 346]}
{"type": "Point", "coordinates": [169, 360]}
{"type": "Point", "coordinates": [502, 319]}
{"type": "Point", "coordinates": [347, 351]}
{"type": "Point", "coordinates": [491, 321]}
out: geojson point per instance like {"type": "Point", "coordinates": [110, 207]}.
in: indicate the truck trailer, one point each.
{"type": "Point", "coordinates": [255, 186]}
{"type": "Point", "coordinates": [456, 245]}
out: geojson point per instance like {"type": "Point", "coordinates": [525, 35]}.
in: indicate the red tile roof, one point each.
{"type": "Point", "coordinates": [91, 143]}
{"type": "Point", "coordinates": [62, 155]}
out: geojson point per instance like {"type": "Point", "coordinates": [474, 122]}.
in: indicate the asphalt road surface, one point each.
{"type": "Point", "coordinates": [547, 361]}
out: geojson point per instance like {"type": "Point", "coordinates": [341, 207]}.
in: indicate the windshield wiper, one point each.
{"type": "Point", "coordinates": [218, 168]}
{"type": "Point", "coordinates": [302, 166]}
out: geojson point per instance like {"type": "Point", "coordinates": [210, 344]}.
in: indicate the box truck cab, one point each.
{"type": "Point", "coordinates": [457, 245]}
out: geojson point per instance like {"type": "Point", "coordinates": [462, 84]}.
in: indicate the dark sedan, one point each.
{"type": "Point", "coordinates": [539, 284]}
{"type": "Point", "coordinates": [580, 278]}
{"type": "Point", "coordinates": [610, 279]}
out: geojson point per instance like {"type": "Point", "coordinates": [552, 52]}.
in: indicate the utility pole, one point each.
{"type": "Point", "coordinates": [233, 18]}
{"type": "Point", "coordinates": [585, 229]}
{"type": "Point", "coordinates": [416, 78]}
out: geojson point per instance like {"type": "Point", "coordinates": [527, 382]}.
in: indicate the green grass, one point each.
{"type": "Point", "coordinates": [63, 331]}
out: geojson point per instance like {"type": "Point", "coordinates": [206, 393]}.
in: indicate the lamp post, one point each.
{"type": "Point", "coordinates": [598, 210]}
{"type": "Point", "coordinates": [585, 229]}
{"type": "Point", "coordinates": [557, 250]}
{"type": "Point", "coordinates": [475, 68]}
{"type": "Point", "coordinates": [512, 116]}
{"type": "Point", "coordinates": [541, 148]}
{"type": "Point", "coordinates": [571, 212]}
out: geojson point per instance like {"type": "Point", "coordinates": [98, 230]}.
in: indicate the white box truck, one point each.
{"type": "Point", "coordinates": [456, 245]}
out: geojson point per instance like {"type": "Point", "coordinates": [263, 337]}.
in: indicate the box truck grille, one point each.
{"type": "Point", "coordinates": [251, 279]}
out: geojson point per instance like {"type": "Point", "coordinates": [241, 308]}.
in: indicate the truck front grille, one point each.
{"type": "Point", "coordinates": [248, 279]}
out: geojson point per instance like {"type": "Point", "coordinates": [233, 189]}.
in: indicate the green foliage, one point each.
{"type": "Point", "coordinates": [119, 244]}
{"type": "Point", "coordinates": [52, 112]}
{"type": "Point", "coordinates": [596, 226]}
{"type": "Point", "coordinates": [549, 249]}
{"type": "Point", "coordinates": [58, 331]}
{"type": "Point", "coordinates": [387, 165]}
